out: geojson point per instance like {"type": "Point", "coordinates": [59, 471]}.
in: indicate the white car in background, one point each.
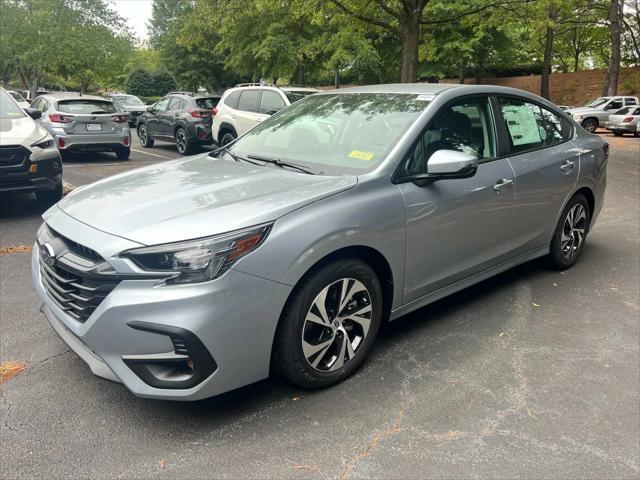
{"type": "Point", "coordinates": [624, 121]}
{"type": "Point", "coordinates": [596, 113]}
{"type": "Point", "coordinates": [246, 105]}
{"type": "Point", "coordinates": [18, 98]}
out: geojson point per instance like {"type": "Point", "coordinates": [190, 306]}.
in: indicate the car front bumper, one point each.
{"type": "Point", "coordinates": [39, 172]}
{"type": "Point", "coordinates": [234, 317]}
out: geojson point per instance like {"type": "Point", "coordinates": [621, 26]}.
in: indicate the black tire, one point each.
{"type": "Point", "coordinates": [227, 137]}
{"type": "Point", "coordinates": [563, 255]}
{"type": "Point", "coordinates": [617, 133]}
{"type": "Point", "coordinates": [123, 154]}
{"type": "Point", "coordinates": [49, 197]}
{"type": "Point", "coordinates": [288, 355]}
{"type": "Point", "coordinates": [590, 124]}
{"type": "Point", "coordinates": [143, 135]}
{"type": "Point", "coordinates": [183, 144]}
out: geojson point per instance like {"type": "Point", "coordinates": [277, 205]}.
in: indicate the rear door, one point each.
{"type": "Point", "coordinates": [546, 164]}
{"type": "Point", "coordinates": [83, 116]}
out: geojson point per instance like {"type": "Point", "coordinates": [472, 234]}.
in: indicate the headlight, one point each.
{"type": "Point", "coordinates": [46, 142]}
{"type": "Point", "coordinates": [198, 260]}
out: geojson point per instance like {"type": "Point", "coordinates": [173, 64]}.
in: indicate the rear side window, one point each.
{"type": "Point", "coordinates": [630, 101]}
{"type": "Point", "coordinates": [249, 101]}
{"type": "Point", "coordinates": [271, 102]}
{"type": "Point", "coordinates": [176, 104]}
{"type": "Point", "coordinates": [232, 100]}
{"type": "Point", "coordinates": [530, 126]}
{"type": "Point", "coordinates": [614, 104]}
{"type": "Point", "coordinates": [207, 103]}
{"type": "Point", "coordinates": [636, 112]}
{"type": "Point", "coordinates": [85, 107]}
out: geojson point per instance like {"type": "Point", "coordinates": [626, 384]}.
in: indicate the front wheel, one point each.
{"type": "Point", "coordinates": [590, 125]}
{"type": "Point", "coordinates": [143, 135]}
{"type": "Point", "coordinates": [329, 324]}
{"type": "Point", "coordinates": [570, 234]}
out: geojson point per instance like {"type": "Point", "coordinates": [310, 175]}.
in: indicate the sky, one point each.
{"type": "Point", "coordinates": [137, 13]}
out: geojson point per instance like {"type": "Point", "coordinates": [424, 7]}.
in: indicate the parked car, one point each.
{"type": "Point", "coordinates": [289, 248]}
{"type": "Point", "coordinates": [178, 118]}
{"type": "Point", "coordinates": [564, 108]}
{"type": "Point", "coordinates": [597, 112]}
{"type": "Point", "coordinates": [29, 159]}
{"type": "Point", "coordinates": [624, 121]}
{"type": "Point", "coordinates": [245, 106]}
{"type": "Point", "coordinates": [181, 92]}
{"type": "Point", "coordinates": [84, 123]}
{"type": "Point", "coordinates": [130, 105]}
{"type": "Point", "coordinates": [18, 98]}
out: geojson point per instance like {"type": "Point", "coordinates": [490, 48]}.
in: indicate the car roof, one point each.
{"type": "Point", "coordinates": [56, 96]}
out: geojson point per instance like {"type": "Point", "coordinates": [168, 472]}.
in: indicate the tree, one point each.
{"type": "Point", "coordinates": [616, 15]}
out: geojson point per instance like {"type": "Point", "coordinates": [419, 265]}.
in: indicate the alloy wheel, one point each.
{"type": "Point", "coordinates": [336, 325]}
{"type": "Point", "coordinates": [573, 231]}
{"type": "Point", "coordinates": [590, 125]}
{"type": "Point", "coordinates": [142, 134]}
{"type": "Point", "coordinates": [181, 141]}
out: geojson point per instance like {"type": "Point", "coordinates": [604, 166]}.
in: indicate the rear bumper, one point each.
{"type": "Point", "coordinates": [108, 143]}
{"type": "Point", "coordinates": [622, 127]}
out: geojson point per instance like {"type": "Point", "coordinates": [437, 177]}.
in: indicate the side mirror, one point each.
{"type": "Point", "coordinates": [445, 164]}
{"type": "Point", "coordinates": [33, 113]}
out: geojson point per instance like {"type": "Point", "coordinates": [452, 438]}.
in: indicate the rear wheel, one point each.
{"type": "Point", "coordinates": [329, 324]}
{"type": "Point", "coordinates": [144, 137]}
{"type": "Point", "coordinates": [227, 137]}
{"type": "Point", "coordinates": [570, 234]}
{"type": "Point", "coordinates": [617, 133]}
{"type": "Point", "coordinates": [123, 154]}
{"type": "Point", "coordinates": [590, 124]}
{"type": "Point", "coordinates": [49, 197]}
{"type": "Point", "coordinates": [183, 144]}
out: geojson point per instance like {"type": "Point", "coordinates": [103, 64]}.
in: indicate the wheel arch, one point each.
{"type": "Point", "coordinates": [591, 117]}
{"type": "Point", "coordinates": [226, 126]}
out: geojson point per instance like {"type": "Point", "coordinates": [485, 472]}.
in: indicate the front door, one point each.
{"type": "Point", "coordinates": [456, 227]}
{"type": "Point", "coordinates": [153, 121]}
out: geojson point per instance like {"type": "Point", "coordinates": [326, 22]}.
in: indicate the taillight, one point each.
{"type": "Point", "coordinates": [120, 118]}
{"type": "Point", "coordinates": [200, 113]}
{"type": "Point", "coordinates": [627, 120]}
{"type": "Point", "coordinates": [61, 143]}
{"type": "Point", "coordinates": [214, 112]}
{"type": "Point", "coordinates": [126, 141]}
{"type": "Point", "coordinates": [57, 118]}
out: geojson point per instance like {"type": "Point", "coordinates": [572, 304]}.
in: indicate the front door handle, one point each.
{"type": "Point", "coordinates": [567, 166]}
{"type": "Point", "coordinates": [502, 183]}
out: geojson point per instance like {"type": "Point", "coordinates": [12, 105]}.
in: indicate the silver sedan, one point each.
{"type": "Point", "coordinates": [288, 248]}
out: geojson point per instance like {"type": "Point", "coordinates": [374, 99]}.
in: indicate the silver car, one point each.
{"type": "Point", "coordinates": [624, 121]}
{"type": "Point", "coordinates": [596, 113]}
{"type": "Point", "coordinates": [82, 123]}
{"type": "Point", "coordinates": [288, 248]}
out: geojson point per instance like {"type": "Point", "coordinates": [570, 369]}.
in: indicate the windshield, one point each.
{"type": "Point", "coordinates": [127, 100]}
{"type": "Point", "coordinates": [335, 133]}
{"type": "Point", "coordinates": [17, 96]}
{"type": "Point", "coordinates": [86, 107]}
{"type": "Point", "coordinates": [8, 107]}
{"type": "Point", "coordinates": [597, 102]}
{"type": "Point", "coordinates": [295, 95]}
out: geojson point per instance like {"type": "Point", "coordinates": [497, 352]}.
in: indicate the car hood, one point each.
{"type": "Point", "coordinates": [195, 197]}
{"type": "Point", "coordinates": [583, 110]}
{"type": "Point", "coordinates": [22, 131]}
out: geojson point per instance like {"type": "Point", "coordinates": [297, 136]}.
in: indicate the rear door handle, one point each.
{"type": "Point", "coordinates": [567, 166]}
{"type": "Point", "coordinates": [502, 183]}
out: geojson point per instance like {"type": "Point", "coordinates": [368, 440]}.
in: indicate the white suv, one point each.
{"type": "Point", "coordinates": [246, 105]}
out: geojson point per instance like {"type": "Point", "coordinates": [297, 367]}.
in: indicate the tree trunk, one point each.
{"type": "Point", "coordinates": [480, 67]}
{"type": "Point", "coordinates": [300, 75]}
{"type": "Point", "coordinates": [461, 70]}
{"type": "Point", "coordinates": [615, 20]}
{"type": "Point", "coordinates": [336, 79]}
{"type": "Point", "coordinates": [410, 36]}
{"type": "Point", "coordinates": [576, 61]}
{"type": "Point", "coordinates": [548, 54]}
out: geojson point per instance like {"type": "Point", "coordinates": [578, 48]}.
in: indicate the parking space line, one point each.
{"type": "Point", "coordinates": [152, 154]}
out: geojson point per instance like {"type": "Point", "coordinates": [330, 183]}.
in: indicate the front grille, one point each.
{"type": "Point", "coordinates": [13, 155]}
{"type": "Point", "coordinates": [79, 279]}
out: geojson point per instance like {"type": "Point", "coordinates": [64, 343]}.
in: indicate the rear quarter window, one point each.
{"type": "Point", "coordinates": [86, 107]}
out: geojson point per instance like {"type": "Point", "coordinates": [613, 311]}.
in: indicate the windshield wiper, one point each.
{"type": "Point", "coordinates": [237, 158]}
{"type": "Point", "coordinates": [281, 163]}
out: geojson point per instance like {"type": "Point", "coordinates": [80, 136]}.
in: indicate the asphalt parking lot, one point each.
{"type": "Point", "coordinates": [532, 374]}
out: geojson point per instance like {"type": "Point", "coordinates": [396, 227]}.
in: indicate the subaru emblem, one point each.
{"type": "Point", "coordinates": [48, 255]}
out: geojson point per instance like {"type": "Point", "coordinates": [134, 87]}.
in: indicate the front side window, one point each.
{"type": "Point", "coordinates": [597, 102]}
{"type": "Point", "coordinates": [249, 101]}
{"type": "Point", "coordinates": [9, 108]}
{"type": "Point", "coordinates": [530, 126]}
{"type": "Point", "coordinates": [465, 126]}
{"type": "Point", "coordinates": [271, 102]}
{"type": "Point", "coordinates": [335, 133]}
{"type": "Point", "coordinates": [85, 107]}
{"type": "Point", "coordinates": [161, 105]}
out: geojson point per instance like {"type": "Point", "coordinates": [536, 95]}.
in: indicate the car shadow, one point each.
{"type": "Point", "coordinates": [20, 205]}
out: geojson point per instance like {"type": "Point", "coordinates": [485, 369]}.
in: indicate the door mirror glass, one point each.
{"type": "Point", "coordinates": [451, 163]}
{"type": "Point", "coordinates": [33, 113]}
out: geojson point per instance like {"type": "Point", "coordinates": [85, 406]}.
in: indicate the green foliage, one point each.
{"type": "Point", "coordinates": [631, 85]}
{"type": "Point", "coordinates": [149, 100]}
{"type": "Point", "coordinates": [143, 83]}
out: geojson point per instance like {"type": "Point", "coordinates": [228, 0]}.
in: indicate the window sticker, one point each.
{"type": "Point", "coordinates": [360, 155]}
{"type": "Point", "coordinates": [522, 124]}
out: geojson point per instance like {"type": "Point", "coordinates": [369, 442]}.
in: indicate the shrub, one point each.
{"type": "Point", "coordinates": [143, 83]}
{"type": "Point", "coordinates": [631, 84]}
{"type": "Point", "coordinates": [149, 100]}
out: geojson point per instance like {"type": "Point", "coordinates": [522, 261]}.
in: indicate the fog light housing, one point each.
{"type": "Point", "coordinates": [188, 365]}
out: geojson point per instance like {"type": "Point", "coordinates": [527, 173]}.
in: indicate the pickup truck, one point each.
{"type": "Point", "coordinates": [597, 112]}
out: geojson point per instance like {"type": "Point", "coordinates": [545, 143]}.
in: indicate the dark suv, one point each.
{"type": "Point", "coordinates": [181, 119]}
